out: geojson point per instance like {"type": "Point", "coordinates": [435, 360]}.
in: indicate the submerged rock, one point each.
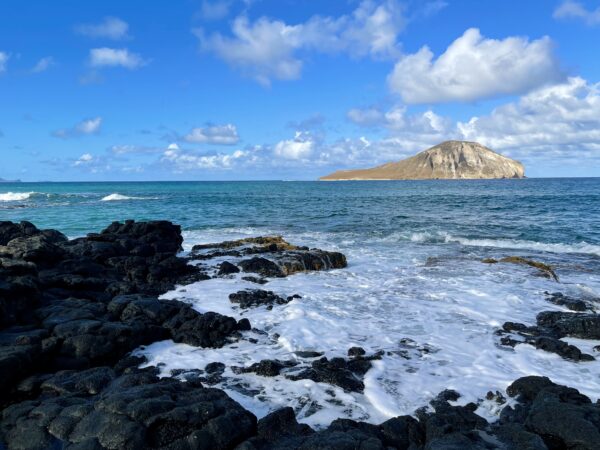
{"type": "Point", "coordinates": [568, 302]}
{"type": "Point", "coordinates": [266, 367]}
{"type": "Point", "coordinates": [544, 270]}
{"type": "Point", "coordinates": [226, 268]}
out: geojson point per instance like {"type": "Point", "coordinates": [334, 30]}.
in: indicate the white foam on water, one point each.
{"type": "Point", "coordinates": [580, 247]}
{"type": "Point", "coordinates": [516, 244]}
{"type": "Point", "coordinates": [15, 196]}
{"type": "Point", "coordinates": [117, 197]}
{"type": "Point", "coordinates": [448, 306]}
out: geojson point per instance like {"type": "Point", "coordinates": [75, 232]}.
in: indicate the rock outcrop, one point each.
{"type": "Point", "coordinates": [448, 160]}
{"type": "Point", "coordinates": [71, 311]}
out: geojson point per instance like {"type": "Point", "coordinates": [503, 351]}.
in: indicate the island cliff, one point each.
{"type": "Point", "coordinates": [448, 160]}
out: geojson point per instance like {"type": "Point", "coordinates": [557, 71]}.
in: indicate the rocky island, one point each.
{"type": "Point", "coordinates": [73, 311]}
{"type": "Point", "coordinates": [448, 160]}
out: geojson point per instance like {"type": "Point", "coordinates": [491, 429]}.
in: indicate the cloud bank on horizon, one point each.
{"type": "Point", "coordinates": [240, 89]}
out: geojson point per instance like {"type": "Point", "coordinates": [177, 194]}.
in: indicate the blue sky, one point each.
{"type": "Point", "coordinates": [284, 89]}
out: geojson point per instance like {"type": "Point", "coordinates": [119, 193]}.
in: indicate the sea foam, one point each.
{"type": "Point", "coordinates": [116, 197]}
{"type": "Point", "coordinates": [434, 319]}
{"type": "Point", "coordinates": [15, 196]}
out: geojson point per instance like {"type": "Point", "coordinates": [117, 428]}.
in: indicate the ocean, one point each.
{"type": "Point", "coordinates": [415, 286]}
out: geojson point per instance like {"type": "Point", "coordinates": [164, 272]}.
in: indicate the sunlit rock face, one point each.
{"type": "Point", "coordinates": [448, 160]}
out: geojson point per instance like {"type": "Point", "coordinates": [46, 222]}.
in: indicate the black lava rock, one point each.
{"type": "Point", "coordinates": [257, 297]}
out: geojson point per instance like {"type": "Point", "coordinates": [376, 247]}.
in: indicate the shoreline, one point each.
{"type": "Point", "coordinates": [91, 301]}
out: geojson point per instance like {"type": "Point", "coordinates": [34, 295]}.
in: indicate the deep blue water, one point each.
{"type": "Point", "coordinates": [541, 210]}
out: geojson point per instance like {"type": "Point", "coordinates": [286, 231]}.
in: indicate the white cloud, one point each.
{"type": "Point", "coordinates": [269, 49]}
{"type": "Point", "coordinates": [214, 134]}
{"type": "Point", "coordinates": [110, 28]}
{"type": "Point", "coordinates": [570, 9]}
{"type": "Point", "coordinates": [301, 147]}
{"type": "Point", "coordinates": [397, 119]}
{"type": "Point", "coordinates": [182, 161]}
{"type": "Point", "coordinates": [85, 127]}
{"type": "Point", "coordinates": [262, 50]}
{"type": "Point", "coordinates": [215, 10]}
{"type": "Point", "coordinates": [563, 119]}
{"type": "Point", "coordinates": [556, 122]}
{"type": "Point", "coordinates": [89, 126]}
{"type": "Point", "coordinates": [112, 57]}
{"type": "Point", "coordinates": [43, 64]}
{"type": "Point", "coordinates": [92, 164]}
{"type": "Point", "coordinates": [124, 149]}
{"type": "Point", "coordinates": [474, 67]}
{"type": "Point", "coordinates": [3, 60]}
{"type": "Point", "coordinates": [86, 158]}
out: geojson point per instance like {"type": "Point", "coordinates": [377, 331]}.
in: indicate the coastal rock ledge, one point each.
{"type": "Point", "coordinates": [448, 160]}
{"type": "Point", "coordinates": [72, 311]}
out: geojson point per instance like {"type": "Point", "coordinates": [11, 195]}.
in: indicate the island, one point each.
{"type": "Point", "coordinates": [448, 160]}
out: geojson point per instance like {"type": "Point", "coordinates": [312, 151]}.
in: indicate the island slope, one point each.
{"type": "Point", "coordinates": [448, 160]}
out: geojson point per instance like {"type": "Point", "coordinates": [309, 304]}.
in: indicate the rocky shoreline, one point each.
{"type": "Point", "coordinates": [72, 311]}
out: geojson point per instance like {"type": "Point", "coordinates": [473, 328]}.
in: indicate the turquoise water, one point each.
{"type": "Point", "coordinates": [541, 210]}
{"type": "Point", "coordinates": [414, 250]}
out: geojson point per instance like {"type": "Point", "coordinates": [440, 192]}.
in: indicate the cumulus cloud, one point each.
{"type": "Point", "coordinates": [113, 57]}
{"type": "Point", "coordinates": [570, 9]}
{"type": "Point", "coordinates": [3, 60]}
{"type": "Point", "coordinates": [552, 122]}
{"type": "Point", "coordinates": [563, 119]}
{"type": "Point", "coordinates": [474, 67]}
{"type": "Point", "coordinates": [181, 160]}
{"type": "Point", "coordinates": [110, 28]}
{"type": "Point", "coordinates": [397, 119]}
{"type": "Point", "coordinates": [269, 49]}
{"type": "Point", "coordinates": [214, 134]}
{"type": "Point", "coordinates": [43, 64]}
{"type": "Point", "coordinates": [301, 147]}
{"type": "Point", "coordinates": [86, 158]}
{"type": "Point", "coordinates": [85, 127]}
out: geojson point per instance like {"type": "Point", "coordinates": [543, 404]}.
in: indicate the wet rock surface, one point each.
{"type": "Point", "coordinates": [551, 326]}
{"type": "Point", "coordinates": [345, 373]}
{"type": "Point", "coordinates": [543, 269]}
{"type": "Point", "coordinates": [258, 297]}
{"type": "Point", "coordinates": [71, 311]}
{"type": "Point", "coordinates": [270, 256]}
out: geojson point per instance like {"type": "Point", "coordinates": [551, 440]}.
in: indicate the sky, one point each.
{"type": "Point", "coordinates": [292, 89]}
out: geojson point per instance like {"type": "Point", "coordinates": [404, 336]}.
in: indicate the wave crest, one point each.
{"type": "Point", "coordinates": [117, 197]}
{"type": "Point", "coordinates": [15, 196]}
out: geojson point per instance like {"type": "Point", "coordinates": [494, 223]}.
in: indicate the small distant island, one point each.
{"type": "Point", "coordinates": [448, 160]}
{"type": "Point", "coordinates": [2, 180]}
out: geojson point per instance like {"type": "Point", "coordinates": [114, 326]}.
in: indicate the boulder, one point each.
{"type": "Point", "coordinates": [99, 409]}
{"type": "Point", "coordinates": [257, 297]}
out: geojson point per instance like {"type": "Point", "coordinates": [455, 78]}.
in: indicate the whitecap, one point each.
{"type": "Point", "coordinates": [579, 247]}
{"type": "Point", "coordinates": [116, 197]}
{"type": "Point", "coordinates": [15, 196]}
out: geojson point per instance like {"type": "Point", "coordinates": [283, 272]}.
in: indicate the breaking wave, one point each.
{"type": "Point", "coordinates": [16, 196]}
